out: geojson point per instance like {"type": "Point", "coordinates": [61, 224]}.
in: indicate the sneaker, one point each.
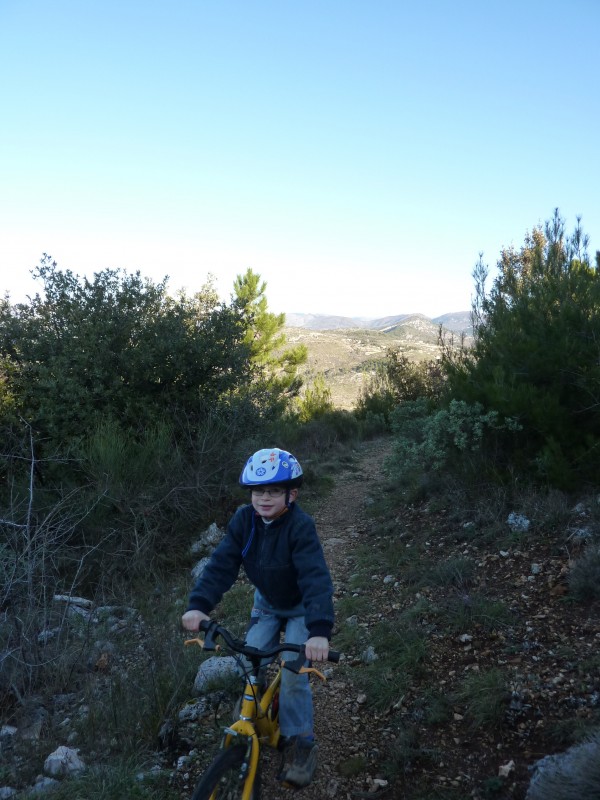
{"type": "Point", "coordinates": [298, 763]}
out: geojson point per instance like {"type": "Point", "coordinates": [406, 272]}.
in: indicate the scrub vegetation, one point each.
{"type": "Point", "coordinates": [126, 413]}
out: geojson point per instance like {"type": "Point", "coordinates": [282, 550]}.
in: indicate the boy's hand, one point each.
{"type": "Point", "coordinates": [317, 648]}
{"type": "Point", "coordinates": [191, 620]}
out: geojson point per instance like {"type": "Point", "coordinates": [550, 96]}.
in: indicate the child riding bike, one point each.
{"type": "Point", "coordinates": [279, 547]}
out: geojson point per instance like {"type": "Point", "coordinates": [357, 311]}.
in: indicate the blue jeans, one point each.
{"type": "Point", "coordinates": [295, 699]}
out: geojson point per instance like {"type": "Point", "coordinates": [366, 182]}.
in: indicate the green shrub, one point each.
{"type": "Point", "coordinates": [114, 782]}
{"type": "Point", "coordinates": [406, 751]}
{"type": "Point", "coordinates": [492, 787]}
{"type": "Point", "coordinates": [462, 612]}
{"type": "Point", "coordinates": [352, 766]}
{"type": "Point", "coordinates": [398, 380]}
{"type": "Point", "coordinates": [571, 730]}
{"type": "Point", "coordinates": [457, 572]}
{"type": "Point", "coordinates": [315, 401]}
{"type": "Point", "coordinates": [376, 399]}
{"type": "Point", "coordinates": [374, 423]}
{"type": "Point", "coordinates": [535, 356]}
{"type": "Point", "coordinates": [234, 609]}
{"type": "Point", "coordinates": [151, 682]}
{"type": "Point", "coordinates": [484, 697]}
{"type": "Point", "coordinates": [584, 577]}
{"type": "Point", "coordinates": [401, 653]}
{"type": "Point", "coordinates": [430, 441]}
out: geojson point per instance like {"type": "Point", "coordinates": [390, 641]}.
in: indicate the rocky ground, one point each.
{"type": "Point", "coordinates": [432, 741]}
{"type": "Point", "coordinates": [547, 654]}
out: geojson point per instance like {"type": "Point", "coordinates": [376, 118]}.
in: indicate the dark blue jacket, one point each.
{"type": "Point", "coordinates": [284, 561]}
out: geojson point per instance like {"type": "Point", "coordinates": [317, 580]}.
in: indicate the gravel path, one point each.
{"type": "Point", "coordinates": [345, 730]}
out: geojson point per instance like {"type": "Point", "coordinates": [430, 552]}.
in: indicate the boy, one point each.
{"type": "Point", "coordinates": [278, 545]}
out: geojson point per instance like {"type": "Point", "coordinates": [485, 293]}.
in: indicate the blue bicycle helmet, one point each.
{"type": "Point", "coordinates": [272, 466]}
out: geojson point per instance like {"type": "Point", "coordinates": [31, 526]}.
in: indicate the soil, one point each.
{"type": "Point", "coordinates": [547, 655]}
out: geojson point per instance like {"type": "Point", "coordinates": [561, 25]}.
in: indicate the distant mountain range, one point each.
{"type": "Point", "coordinates": [345, 350]}
{"type": "Point", "coordinates": [458, 322]}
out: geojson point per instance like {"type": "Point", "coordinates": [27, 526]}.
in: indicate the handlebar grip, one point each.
{"type": "Point", "coordinates": [204, 624]}
{"type": "Point", "coordinates": [334, 656]}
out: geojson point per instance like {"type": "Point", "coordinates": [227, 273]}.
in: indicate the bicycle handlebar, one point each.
{"type": "Point", "coordinates": [212, 629]}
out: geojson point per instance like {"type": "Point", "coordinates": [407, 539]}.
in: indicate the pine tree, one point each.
{"type": "Point", "coordinates": [266, 338]}
{"type": "Point", "coordinates": [536, 356]}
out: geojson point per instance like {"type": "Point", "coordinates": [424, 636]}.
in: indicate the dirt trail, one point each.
{"type": "Point", "coordinates": [341, 731]}
{"type": "Point", "coordinates": [492, 605]}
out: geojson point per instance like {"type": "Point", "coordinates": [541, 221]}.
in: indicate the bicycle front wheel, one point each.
{"type": "Point", "coordinates": [224, 779]}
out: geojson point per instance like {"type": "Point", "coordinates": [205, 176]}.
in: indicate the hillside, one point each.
{"type": "Point", "coordinates": [346, 356]}
{"type": "Point", "coordinates": [458, 321]}
{"type": "Point", "coordinates": [495, 665]}
{"type": "Point", "coordinates": [467, 658]}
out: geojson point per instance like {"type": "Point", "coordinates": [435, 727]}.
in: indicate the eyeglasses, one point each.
{"type": "Point", "coordinates": [271, 491]}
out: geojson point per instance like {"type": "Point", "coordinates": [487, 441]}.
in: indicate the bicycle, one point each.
{"type": "Point", "coordinates": [234, 773]}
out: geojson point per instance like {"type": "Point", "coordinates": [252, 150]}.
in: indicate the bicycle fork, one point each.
{"type": "Point", "coordinates": [240, 730]}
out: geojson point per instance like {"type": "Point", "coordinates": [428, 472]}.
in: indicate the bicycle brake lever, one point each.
{"type": "Point", "coordinates": [209, 638]}
{"type": "Point", "coordinates": [197, 640]}
{"type": "Point", "coordinates": [202, 643]}
{"type": "Point", "coordinates": [313, 671]}
{"type": "Point", "coordinates": [208, 643]}
{"type": "Point", "coordinates": [297, 664]}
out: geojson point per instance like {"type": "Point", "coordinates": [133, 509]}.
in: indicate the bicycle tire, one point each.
{"type": "Point", "coordinates": [223, 777]}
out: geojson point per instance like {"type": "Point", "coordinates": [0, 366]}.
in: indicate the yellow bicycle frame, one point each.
{"type": "Point", "coordinates": [255, 724]}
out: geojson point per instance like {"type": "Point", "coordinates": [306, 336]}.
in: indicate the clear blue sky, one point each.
{"type": "Point", "coordinates": [357, 154]}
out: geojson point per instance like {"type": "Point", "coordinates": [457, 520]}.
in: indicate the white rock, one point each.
{"type": "Point", "coordinates": [518, 522]}
{"type": "Point", "coordinates": [63, 761]}
{"type": "Point", "coordinates": [43, 785]}
{"type": "Point", "coordinates": [208, 540]}
{"type": "Point", "coordinates": [199, 568]}
{"type": "Point", "coordinates": [82, 602]}
{"type": "Point", "coordinates": [505, 770]}
{"type": "Point", "coordinates": [369, 655]}
{"type": "Point", "coordinates": [192, 711]}
{"type": "Point", "coordinates": [212, 670]}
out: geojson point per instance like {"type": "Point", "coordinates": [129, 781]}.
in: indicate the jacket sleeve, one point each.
{"type": "Point", "coordinates": [220, 573]}
{"type": "Point", "coordinates": [314, 578]}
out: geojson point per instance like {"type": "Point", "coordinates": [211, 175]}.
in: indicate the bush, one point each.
{"type": "Point", "coordinates": [484, 696]}
{"type": "Point", "coordinates": [398, 380]}
{"type": "Point", "coordinates": [376, 398]}
{"type": "Point", "coordinates": [117, 347]}
{"type": "Point", "coordinates": [315, 402]}
{"type": "Point", "coordinates": [113, 783]}
{"type": "Point", "coordinates": [535, 356]}
{"type": "Point", "coordinates": [449, 440]}
{"type": "Point", "coordinates": [584, 578]}
{"type": "Point", "coordinates": [401, 650]}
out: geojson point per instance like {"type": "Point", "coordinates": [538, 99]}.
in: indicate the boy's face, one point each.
{"type": "Point", "coordinates": [269, 501]}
